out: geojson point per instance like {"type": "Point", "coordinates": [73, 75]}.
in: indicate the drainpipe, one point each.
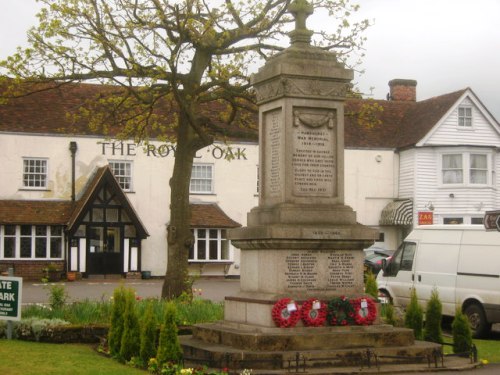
{"type": "Point", "coordinates": [73, 147]}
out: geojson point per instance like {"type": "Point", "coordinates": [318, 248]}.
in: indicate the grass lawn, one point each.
{"type": "Point", "coordinates": [31, 358]}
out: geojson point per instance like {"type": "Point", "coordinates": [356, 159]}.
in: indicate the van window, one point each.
{"type": "Point", "coordinates": [402, 259]}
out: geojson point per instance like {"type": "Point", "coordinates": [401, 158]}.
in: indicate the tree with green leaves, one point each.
{"type": "Point", "coordinates": [164, 62]}
{"type": "Point", "coordinates": [414, 316]}
{"type": "Point", "coordinates": [149, 330]}
{"type": "Point", "coordinates": [169, 348]}
{"type": "Point", "coordinates": [433, 319]}
{"type": "Point", "coordinates": [462, 335]}
{"type": "Point", "coordinates": [116, 325]}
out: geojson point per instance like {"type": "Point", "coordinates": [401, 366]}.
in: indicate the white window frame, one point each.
{"type": "Point", "coordinates": [32, 238]}
{"type": "Point", "coordinates": [197, 183]}
{"type": "Point", "coordinates": [220, 239]}
{"type": "Point", "coordinates": [465, 117]}
{"type": "Point", "coordinates": [467, 169]}
{"type": "Point", "coordinates": [120, 168]}
{"type": "Point", "coordinates": [32, 178]}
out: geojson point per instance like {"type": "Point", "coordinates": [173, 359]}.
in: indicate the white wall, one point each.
{"type": "Point", "coordinates": [234, 190]}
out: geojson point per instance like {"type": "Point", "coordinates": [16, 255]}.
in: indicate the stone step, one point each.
{"type": "Point", "coordinates": [212, 355]}
{"type": "Point", "coordinates": [255, 338]}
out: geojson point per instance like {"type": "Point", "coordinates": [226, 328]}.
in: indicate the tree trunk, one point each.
{"type": "Point", "coordinates": [179, 236]}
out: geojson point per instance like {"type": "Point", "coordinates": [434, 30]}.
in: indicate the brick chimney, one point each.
{"type": "Point", "coordinates": [403, 90]}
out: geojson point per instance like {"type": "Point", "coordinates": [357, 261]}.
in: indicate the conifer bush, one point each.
{"type": "Point", "coordinates": [169, 348]}
{"type": "Point", "coordinates": [116, 323]}
{"type": "Point", "coordinates": [462, 334]}
{"type": "Point", "coordinates": [371, 287]}
{"type": "Point", "coordinates": [148, 334]}
{"type": "Point", "coordinates": [433, 319]}
{"type": "Point", "coordinates": [414, 316]}
{"type": "Point", "coordinates": [389, 314]}
{"type": "Point", "coordinates": [130, 343]}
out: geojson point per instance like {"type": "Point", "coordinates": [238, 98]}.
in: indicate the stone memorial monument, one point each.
{"type": "Point", "coordinates": [302, 241]}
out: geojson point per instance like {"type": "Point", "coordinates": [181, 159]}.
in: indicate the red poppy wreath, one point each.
{"type": "Point", "coordinates": [313, 313]}
{"type": "Point", "coordinates": [285, 313]}
{"type": "Point", "coordinates": [365, 311]}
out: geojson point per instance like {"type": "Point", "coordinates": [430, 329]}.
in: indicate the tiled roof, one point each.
{"type": "Point", "coordinates": [210, 216]}
{"type": "Point", "coordinates": [35, 212]}
{"type": "Point", "coordinates": [49, 111]}
{"type": "Point", "coordinates": [402, 123]}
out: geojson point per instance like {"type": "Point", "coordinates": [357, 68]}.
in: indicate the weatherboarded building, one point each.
{"type": "Point", "coordinates": [97, 205]}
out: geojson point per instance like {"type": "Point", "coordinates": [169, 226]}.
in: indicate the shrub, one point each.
{"type": "Point", "coordinates": [169, 348]}
{"type": "Point", "coordinates": [388, 314]}
{"type": "Point", "coordinates": [116, 324]}
{"type": "Point", "coordinates": [148, 335]}
{"type": "Point", "coordinates": [414, 316]}
{"type": "Point", "coordinates": [371, 287]}
{"type": "Point", "coordinates": [130, 342]}
{"type": "Point", "coordinates": [462, 335]}
{"type": "Point", "coordinates": [433, 319]}
{"type": "Point", "coordinates": [57, 297]}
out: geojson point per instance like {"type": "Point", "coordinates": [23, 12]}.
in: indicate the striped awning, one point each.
{"type": "Point", "coordinates": [399, 212]}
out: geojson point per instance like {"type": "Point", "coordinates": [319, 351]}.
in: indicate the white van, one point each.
{"type": "Point", "coordinates": [462, 262]}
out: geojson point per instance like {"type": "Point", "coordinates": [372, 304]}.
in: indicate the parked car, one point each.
{"type": "Point", "coordinates": [374, 257]}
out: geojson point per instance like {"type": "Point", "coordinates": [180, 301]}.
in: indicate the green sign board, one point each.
{"type": "Point", "coordinates": [11, 289]}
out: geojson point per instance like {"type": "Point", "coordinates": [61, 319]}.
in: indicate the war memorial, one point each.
{"type": "Point", "coordinates": [302, 246]}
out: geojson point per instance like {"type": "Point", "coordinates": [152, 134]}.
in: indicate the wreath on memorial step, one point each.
{"type": "Point", "coordinates": [313, 313]}
{"type": "Point", "coordinates": [340, 312]}
{"type": "Point", "coordinates": [365, 311]}
{"type": "Point", "coordinates": [285, 313]}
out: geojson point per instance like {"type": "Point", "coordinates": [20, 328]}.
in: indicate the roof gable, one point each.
{"type": "Point", "coordinates": [104, 177]}
{"type": "Point", "coordinates": [445, 129]}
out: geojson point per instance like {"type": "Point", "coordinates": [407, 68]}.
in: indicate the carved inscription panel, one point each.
{"type": "Point", "coordinates": [320, 271]}
{"type": "Point", "coordinates": [314, 161]}
{"type": "Point", "coordinates": [273, 154]}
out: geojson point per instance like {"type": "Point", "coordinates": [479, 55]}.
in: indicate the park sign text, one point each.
{"type": "Point", "coordinates": [10, 297]}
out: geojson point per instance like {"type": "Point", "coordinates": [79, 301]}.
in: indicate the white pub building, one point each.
{"type": "Point", "coordinates": [99, 206]}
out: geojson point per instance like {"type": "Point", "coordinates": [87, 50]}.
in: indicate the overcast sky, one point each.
{"type": "Point", "coordinates": [446, 45]}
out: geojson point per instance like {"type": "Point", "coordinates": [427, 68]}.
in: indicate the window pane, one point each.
{"type": "Point", "coordinates": [478, 169]}
{"type": "Point", "coordinates": [9, 247]}
{"type": "Point", "coordinates": [25, 247]}
{"type": "Point", "coordinates": [202, 233]}
{"type": "Point", "coordinates": [213, 250]}
{"type": "Point", "coordinates": [25, 230]}
{"type": "Point", "coordinates": [56, 247]}
{"type": "Point", "coordinates": [40, 230]}
{"type": "Point", "coordinates": [452, 169]}
{"type": "Point", "coordinates": [476, 221]}
{"type": "Point", "coordinates": [55, 230]}
{"type": "Point", "coordinates": [10, 230]}
{"type": "Point", "coordinates": [214, 233]}
{"type": "Point", "coordinates": [202, 249]}
{"type": "Point", "coordinates": [41, 247]}
{"type": "Point", "coordinates": [453, 220]}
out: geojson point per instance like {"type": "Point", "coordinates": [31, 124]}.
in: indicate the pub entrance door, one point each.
{"type": "Point", "coordinates": [104, 250]}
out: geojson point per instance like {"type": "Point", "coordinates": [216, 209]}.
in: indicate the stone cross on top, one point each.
{"type": "Point", "coordinates": [301, 9]}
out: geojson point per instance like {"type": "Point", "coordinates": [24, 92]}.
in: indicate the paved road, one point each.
{"type": "Point", "coordinates": [97, 289]}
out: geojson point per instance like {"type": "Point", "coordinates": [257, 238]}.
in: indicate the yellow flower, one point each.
{"type": "Point", "coordinates": [484, 361]}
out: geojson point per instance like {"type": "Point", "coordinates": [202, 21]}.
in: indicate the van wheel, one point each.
{"type": "Point", "coordinates": [477, 320]}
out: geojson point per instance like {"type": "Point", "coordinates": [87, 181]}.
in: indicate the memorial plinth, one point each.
{"type": "Point", "coordinates": [302, 241]}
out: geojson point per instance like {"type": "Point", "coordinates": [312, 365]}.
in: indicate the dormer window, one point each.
{"type": "Point", "coordinates": [465, 117]}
